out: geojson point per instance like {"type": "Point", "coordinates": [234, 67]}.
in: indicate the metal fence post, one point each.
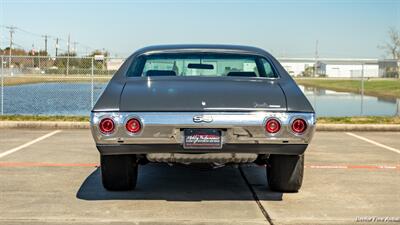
{"type": "Point", "coordinates": [92, 85]}
{"type": "Point", "coordinates": [39, 61]}
{"type": "Point", "coordinates": [398, 69]}
{"type": "Point", "coordinates": [362, 89]}
{"type": "Point", "coordinates": [2, 86]}
{"type": "Point", "coordinates": [67, 65]}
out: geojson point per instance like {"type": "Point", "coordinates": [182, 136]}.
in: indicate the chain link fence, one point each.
{"type": "Point", "coordinates": [42, 85]}
{"type": "Point", "coordinates": [33, 85]}
{"type": "Point", "coordinates": [343, 75]}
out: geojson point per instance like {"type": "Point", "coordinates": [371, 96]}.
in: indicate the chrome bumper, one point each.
{"type": "Point", "coordinates": [167, 127]}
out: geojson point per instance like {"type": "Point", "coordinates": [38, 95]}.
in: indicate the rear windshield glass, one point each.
{"type": "Point", "coordinates": [210, 65]}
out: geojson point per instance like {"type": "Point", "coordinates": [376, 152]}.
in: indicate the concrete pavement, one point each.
{"type": "Point", "coordinates": [55, 181]}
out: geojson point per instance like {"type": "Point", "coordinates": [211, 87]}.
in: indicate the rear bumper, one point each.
{"type": "Point", "coordinates": [292, 149]}
{"type": "Point", "coordinates": [167, 128]}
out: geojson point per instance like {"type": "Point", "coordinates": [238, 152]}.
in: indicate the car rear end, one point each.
{"type": "Point", "coordinates": [201, 106]}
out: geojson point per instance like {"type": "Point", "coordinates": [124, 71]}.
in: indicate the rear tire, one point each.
{"type": "Point", "coordinates": [285, 172]}
{"type": "Point", "coordinates": [119, 172]}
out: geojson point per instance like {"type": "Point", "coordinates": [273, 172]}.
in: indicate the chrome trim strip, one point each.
{"type": "Point", "coordinates": [245, 109]}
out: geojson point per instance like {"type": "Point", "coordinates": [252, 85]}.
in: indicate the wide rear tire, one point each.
{"type": "Point", "coordinates": [285, 172]}
{"type": "Point", "coordinates": [119, 172]}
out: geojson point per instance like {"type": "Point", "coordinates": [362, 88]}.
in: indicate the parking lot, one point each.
{"type": "Point", "coordinates": [51, 177]}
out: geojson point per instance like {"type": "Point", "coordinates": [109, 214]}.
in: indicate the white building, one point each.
{"type": "Point", "coordinates": [350, 69]}
{"type": "Point", "coordinates": [296, 66]}
{"type": "Point", "coordinates": [114, 64]}
{"type": "Point", "coordinates": [340, 68]}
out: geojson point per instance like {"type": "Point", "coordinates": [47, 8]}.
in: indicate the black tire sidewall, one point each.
{"type": "Point", "coordinates": [119, 172]}
{"type": "Point", "coordinates": [285, 172]}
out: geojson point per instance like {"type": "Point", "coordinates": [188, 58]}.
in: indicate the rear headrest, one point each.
{"type": "Point", "coordinates": [156, 73]}
{"type": "Point", "coordinates": [242, 74]}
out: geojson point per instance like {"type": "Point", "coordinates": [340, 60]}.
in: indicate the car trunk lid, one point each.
{"type": "Point", "coordinates": [201, 94]}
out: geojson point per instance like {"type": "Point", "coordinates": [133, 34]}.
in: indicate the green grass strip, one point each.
{"type": "Point", "coordinates": [373, 87]}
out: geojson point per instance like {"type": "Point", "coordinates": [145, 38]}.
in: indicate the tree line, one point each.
{"type": "Point", "coordinates": [63, 60]}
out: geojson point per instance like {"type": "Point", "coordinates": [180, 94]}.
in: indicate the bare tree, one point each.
{"type": "Point", "coordinates": [392, 47]}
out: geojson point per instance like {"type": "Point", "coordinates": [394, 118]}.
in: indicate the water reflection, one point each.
{"type": "Point", "coordinates": [51, 98]}
{"type": "Point", "coordinates": [333, 103]}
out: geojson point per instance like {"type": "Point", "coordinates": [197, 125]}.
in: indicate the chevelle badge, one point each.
{"type": "Point", "coordinates": [202, 119]}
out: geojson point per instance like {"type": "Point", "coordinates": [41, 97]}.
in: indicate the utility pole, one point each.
{"type": "Point", "coordinates": [56, 47]}
{"type": "Point", "coordinates": [74, 49]}
{"type": "Point", "coordinates": [69, 44]}
{"type": "Point", "coordinates": [45, 43]}
{"type": "Point", "coordinates": [12, 31]}
{"type": "Point", "coordinates": [316, 59]}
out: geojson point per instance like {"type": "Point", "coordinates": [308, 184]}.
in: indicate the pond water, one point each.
{"type": "Point", "coordinates": [332, 103]}
{"type": "Point", "coordinates": [51, 98]}
{"type": "Point", "coordinates": [75, 99]}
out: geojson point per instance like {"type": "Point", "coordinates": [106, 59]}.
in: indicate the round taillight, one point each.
{"type": "Point", "coordinates": [133, 126]}
{"type": "Point", "coordinates": [299, 126]}
{"type": "Point", "coordinates": [106, 126]}
{"type": "Point", "coordinates": [272, 126]}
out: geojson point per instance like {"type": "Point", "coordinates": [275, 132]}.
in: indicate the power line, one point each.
{"type": "Point", "coordinates": [28, 32]}
{"type": "Point", "coordinates": [46, 37]}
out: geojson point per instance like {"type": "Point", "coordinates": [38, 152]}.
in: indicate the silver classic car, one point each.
{"type": "Point", "coordinates": [202, 105]}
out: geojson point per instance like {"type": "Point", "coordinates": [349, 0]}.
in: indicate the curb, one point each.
{"type": "Point", "coordinates": [44, 124]}
{"type": "Point", "coordinates": [86, 125]}
{"type": "Point", "coordinates": [358, 127]}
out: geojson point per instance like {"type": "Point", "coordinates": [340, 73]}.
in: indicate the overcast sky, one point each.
{"type": "Point", "coordinates": [285, 28]}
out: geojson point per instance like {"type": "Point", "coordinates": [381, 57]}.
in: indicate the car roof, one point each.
{"type": "Point", "coordinates": [217, 48]}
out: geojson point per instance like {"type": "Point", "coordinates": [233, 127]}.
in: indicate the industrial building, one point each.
{"type": "Point", "coordinates": [342, 68]}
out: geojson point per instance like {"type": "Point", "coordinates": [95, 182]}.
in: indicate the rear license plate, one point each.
{"type": "Point", "coordinates": [202, 139]}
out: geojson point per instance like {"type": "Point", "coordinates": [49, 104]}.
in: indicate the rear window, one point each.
{"type": "Point", "coordinates": [208, 65]}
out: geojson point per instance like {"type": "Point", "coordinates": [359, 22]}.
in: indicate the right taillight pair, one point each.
{"type": "Point", "coordinates": [273, 126]}
{"type": "Point", "coordinates": [107, 126]}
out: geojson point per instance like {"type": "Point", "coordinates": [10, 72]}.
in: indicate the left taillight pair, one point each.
{"type": "Point", "coordinates": [298, 126]}
{"type": "Point", "coordinates": [107, 126]}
